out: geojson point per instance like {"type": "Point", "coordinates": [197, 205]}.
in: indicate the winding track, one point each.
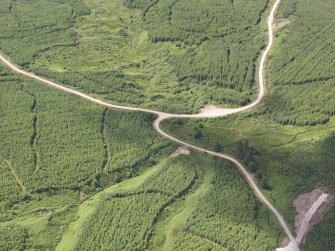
{"type": "Point", "coordinates": [216, 112]}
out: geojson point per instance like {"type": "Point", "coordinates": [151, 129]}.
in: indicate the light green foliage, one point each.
{"type": "Point", "coordinates": [48, 142]}
{"type": "Point", "coordinates": [125, 135]}
{"type": "Point", "coordinates": [45, 226]}
{"type": "Point", "coordinates": [301, 69]}
{"type": "Point", "coordinates": [170, 55]}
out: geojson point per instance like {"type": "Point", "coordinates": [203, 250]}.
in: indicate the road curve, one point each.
{"type": "Point", "coordinates": [217, 112]}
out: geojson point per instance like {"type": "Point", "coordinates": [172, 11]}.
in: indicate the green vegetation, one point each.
{"type": "Point", "coordinates": [301, 93]}
{"type": "Point", "coordinates": [302, 156]}
{"type": "Point", "coordinates": [62, 162]}
{"type": "Point", "coordinates": [56, 150]}
{"type": "Point", "coordinates": [13, 237]}
{"type": "Point", "coordinates": [122, 223]}
{"type": "Point", "coordinates": [226, 216]}
{"type": "Point", "coordinates": [72, 173]}
{"type": "Point", "coordinates": [301, 68]}
{"type": "Point", "coordinates": [124, 220]}
{"type": "Point", "coordinates": [169, 55]}
{"type": "Point", "coordinates": [140, 217]}
{"type": "Point", "coordinates": [322, 237]}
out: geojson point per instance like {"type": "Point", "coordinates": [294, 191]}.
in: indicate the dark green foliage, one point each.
{"type": "Point", "coordinates": [265, 183]}
{"type": "Point", "coordinates": [13, 237]}
{"type": "Point", "coordinates": [108, 83]}
{"type": "Point", "coordinates": [287, 8]}
{"type": "Point", "coordinates": [301, 69]}
{"type": "Point", "coordinates": [218, 147]}
{"type": "Point", "coordinates": [197, 21]}
{"type": "Point", "coordinates": [247, 154]}
{"type": "Point", "coordinates": [308, 104]}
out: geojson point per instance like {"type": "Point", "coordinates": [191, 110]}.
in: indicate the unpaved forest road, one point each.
{"type": "Point", "coordinates": [205, 113]}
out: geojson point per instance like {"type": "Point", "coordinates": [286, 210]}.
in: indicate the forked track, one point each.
{"type": "Point", "coordinates": [205, 114]}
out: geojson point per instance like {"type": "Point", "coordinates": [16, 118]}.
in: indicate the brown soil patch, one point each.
{"type": "Point", "coordinates": [82, 195]}
{"type": "Point", "coordinates": [182, 150]}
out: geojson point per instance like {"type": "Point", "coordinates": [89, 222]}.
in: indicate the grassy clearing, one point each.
{"type": "Point", "coordinates": [169, 55]}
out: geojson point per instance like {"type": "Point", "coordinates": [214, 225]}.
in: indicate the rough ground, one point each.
{"type": "Point", "coordinates": [310, 208]}
{"type": "Point", "coordinates": [280, 23]}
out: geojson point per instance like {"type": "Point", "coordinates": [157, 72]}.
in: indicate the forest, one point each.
{"type": "Point", "coordinates": [124, 220]}
{"type": "Point", "coordinates": [290, 137]}
{"type": "Point", "coordinates": [69, 168]}
{"type": "Point", "coordinates": [301, 68]}
{"type": "Point", "coordinates": [301, 156]}
{"type": "Point", "coordinates": [60, 152]}
{"type": "Point", "coordinates": [140, 218]}
{"type": "Point", "coordinates": [175, 56]}
{"type": "Point", "coordinates": [56, 147]}
{"type": "Point", "coordinates": [226, 215]}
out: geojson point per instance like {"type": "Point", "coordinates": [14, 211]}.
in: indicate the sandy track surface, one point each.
{"type": "Point", "coordinates": [207, 112]}
{"type": "Point", "coordinates": [310, 209]}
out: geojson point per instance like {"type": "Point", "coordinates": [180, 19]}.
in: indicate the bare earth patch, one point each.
{"type": "Point", "coordinates": [279, 23]}
{"type": "Point", "coordinates": [182, 150]}
{"type": "Point", "coordinates": [82, 195]}
{"type": "Point", "coordinates": [44, 212]}
{"type": "Point", "coordinates": [310, 208]}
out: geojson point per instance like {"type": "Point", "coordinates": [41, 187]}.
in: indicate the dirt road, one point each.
{"type": "Point", "coordinates": [208, 112]}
